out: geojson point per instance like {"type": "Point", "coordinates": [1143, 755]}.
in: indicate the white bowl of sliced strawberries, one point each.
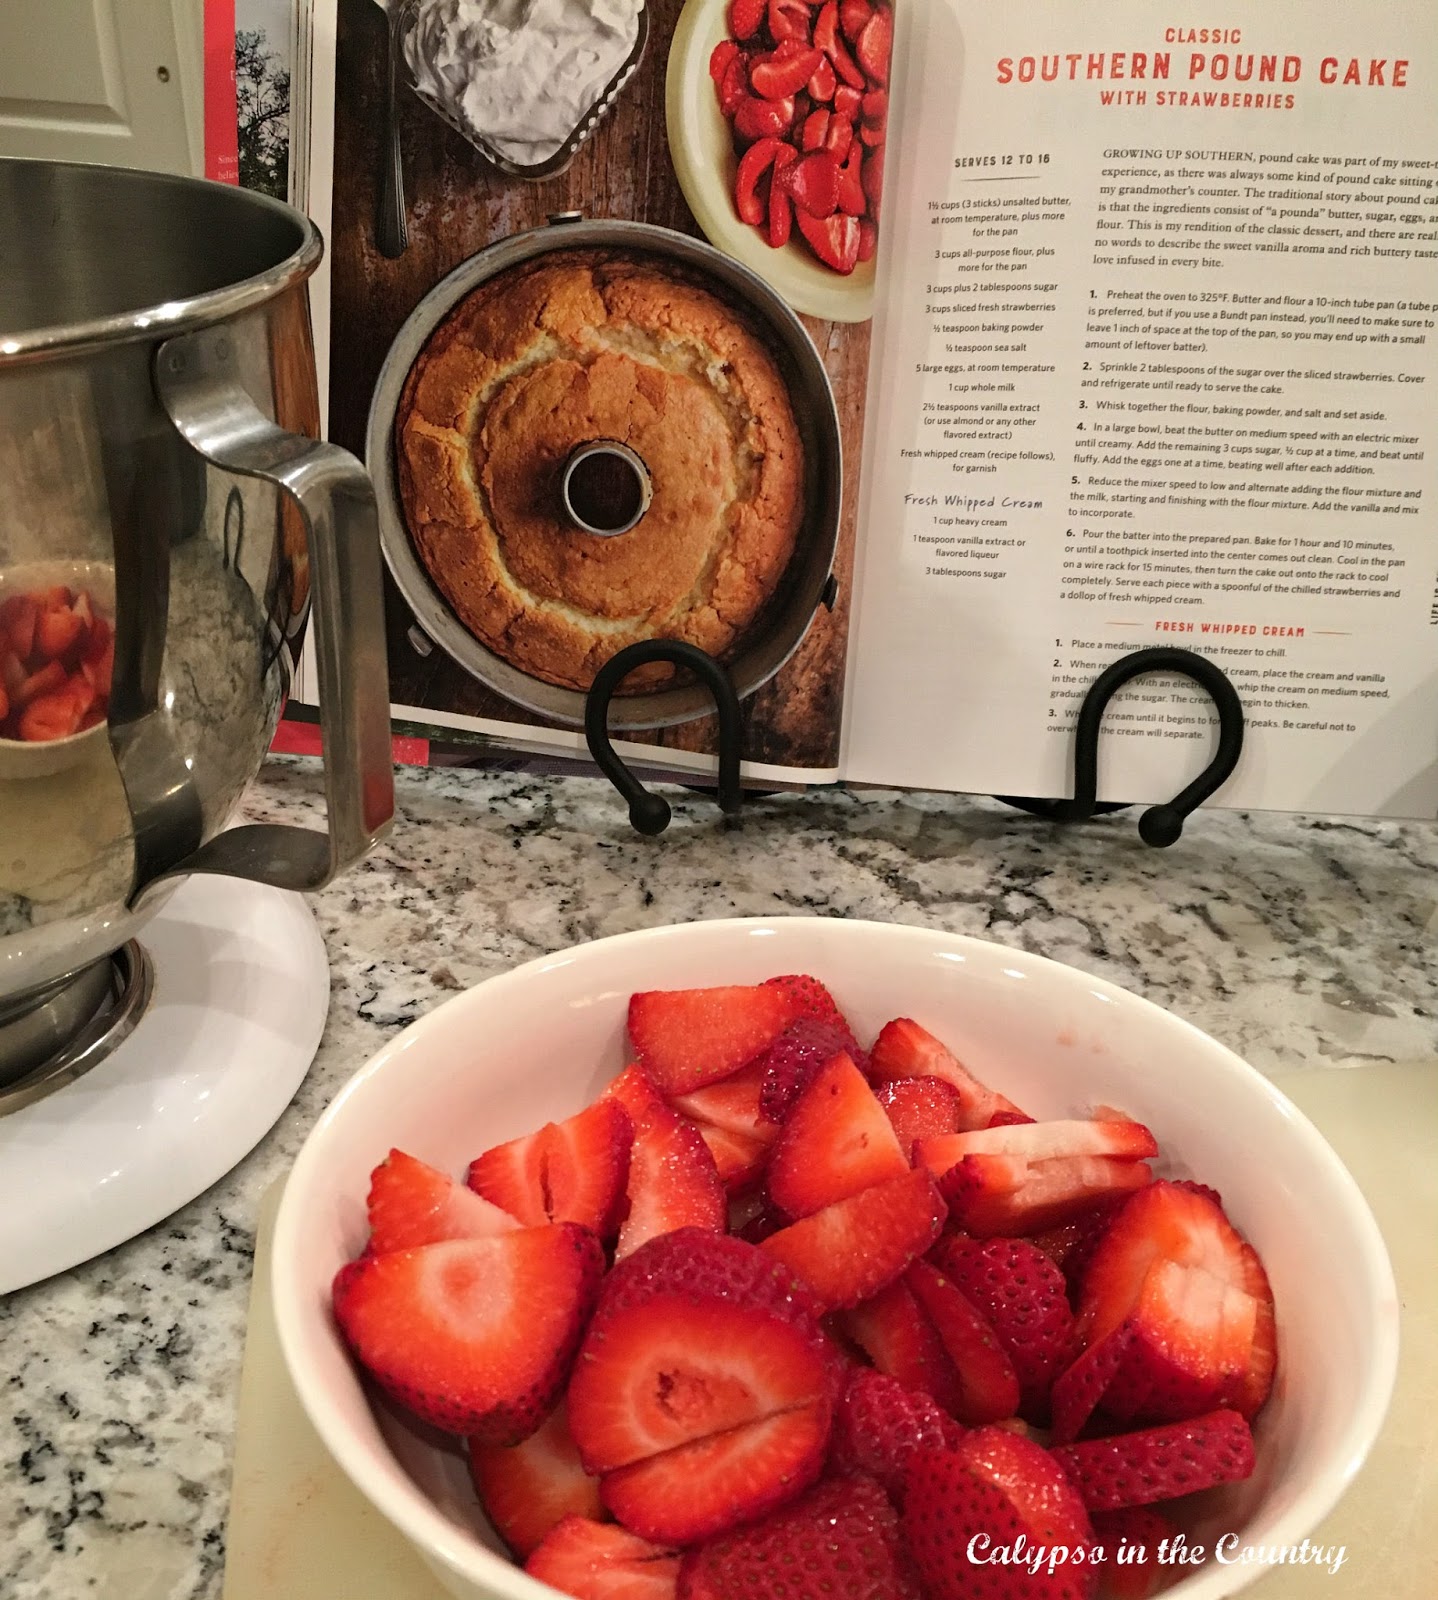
{"type": "Point", "coordinates": [830, 1260]}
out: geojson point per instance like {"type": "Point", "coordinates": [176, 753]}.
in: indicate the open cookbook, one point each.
{"type": "Point", "coordinates": [915, 361]}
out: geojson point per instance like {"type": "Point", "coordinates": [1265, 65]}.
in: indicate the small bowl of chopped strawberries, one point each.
{"type": "Point", "coordinates": [822, 1259]}
{"type": "Point", "coordinates": [777, 113]}
{"type": "Point", "coordinates": [57, 652]}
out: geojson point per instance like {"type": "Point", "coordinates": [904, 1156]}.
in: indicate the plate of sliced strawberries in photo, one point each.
{"type": "Point", "coordinates": [784, 1311]}
{"type": "Point", "coordinates": [777, 114]}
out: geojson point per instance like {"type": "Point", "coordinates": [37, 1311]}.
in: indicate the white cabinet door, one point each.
{"type": "Point", "coordinates": [113, 81]}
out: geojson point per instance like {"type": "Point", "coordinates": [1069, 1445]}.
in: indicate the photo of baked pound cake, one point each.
{"type": "Point", "coordinates": [578, 346]}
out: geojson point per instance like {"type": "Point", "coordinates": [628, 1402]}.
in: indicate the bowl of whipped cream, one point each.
{"type": "Point", "coordinates": [524, 81]}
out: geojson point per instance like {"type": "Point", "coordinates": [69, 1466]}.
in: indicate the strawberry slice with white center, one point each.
{"type": "Point", "coordinates": [839, 1542]}
{"type": "Point", "coordinates": [473, 1335]}
{"type": "Point", "coordinates": [570, 1171]}
{"type": "Point", "coordinates": [697, 1340]}
{"type": "Point", "coordinates": [686, 1038]}
{"type": "Point", "coordinates": [894, 1332]}
{"type": "Point", "coordinates": [851, 1249]}
{"type": "Point", "coordinates": [1010, 1195]}
{"type": "Point", "coordinates": [1136, 1469]}
{"type": "Point", "coordinates": [413, 1204]}
{"type": "Point", "coordinates": [739, 1161]}
{"type": "Point", "coordinates": [1174, 1273]}
{"type": "Point", "coordinates": [674, 1181]}
{"type": "Point", "coordinates": [526, 1489]}
{"type": "Point", "coordinates": [988, 1385]}
{"type": "Point", "coordinates": [836, 1142]}
{"type": "Point", "coordinates": [905, 1050]}
{"type": "Point", "coordinates": [994, 1489]}
{"type": "Point", "coordinates": [729, 1121]}
{"type": "Point", "coordinates": [1044, 1141]}
{"type": "Point", "coordinates": [594, 1560]}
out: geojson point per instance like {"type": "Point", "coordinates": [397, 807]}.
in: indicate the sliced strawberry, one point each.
{"type": "Point", "coordinates": [878, 1425]}
{"type": "Point", "coordinates": [473, 1335]}
{"type": "Point", "coordinates": [875, 111]}
{"type": "Point", "coordinates": [732, 1104]}
{"type": "Point", "coordinates": [784, 71]}
{"type": "Point", "coordinates": [1257, 1381]}
{"type": "Point", "coordinates": [526, 1489]}
{"type": "Point", "coordinates": [756, 118]}
{"type": "Point", "coordinates": [840, 137]}
{"type": "Point", "coordinates": [848, 1251]}
{"type": "Point", "coordinates": [673, 1183]}
{"type": "Point", "coordinates": [1173, 1268]}
{"type": "Point", "coordinates": [50, 716]}
{"type": "Point", "coordinates": [849, 189]}
{"type": "Point", "coordinates": [694, 1335]}
{"type": "Point", "coordinates": [1045, 1141]}
{"type": "Point", "coordinates": [719, 58]}
{"type": "Point", "coordinates": [19, 616]}
{"type": "Point", "coordinates": [746, 17]}
{"type": "Point", "coordinates": [875, 44]}
{"type": "Point", "coordinates": [816, 127]}
{"type": "Point", "coordinates": [789, 1064]}
{"type": "Point", "coordinates": [790, 21]}
{"type": "Point", "coordinates": [834, 240]}
{"type": "Point", "coordinates": [848, 103]}
{"type": "Point", "coordinates": [905, 1050]}
{"type": "Point", "coordinates": [995, 1490]}
{"type": "Point", "coordinates": [840, 1539]}
{"type": "Point", "coordinates": [686, 1038]}
{"type": "Point", "coordinates": [714, 1484]}
{"type": "Point", "coordinates": [853, 18]}
{"type": "Point", "coordinates": [1023, 1298]}
{"type": "Point", "coordinates": [836, 1141]}
{"type": "Point", "coordinates": [738, 1159]}
{"type": "Point", "coordinates": [813, 183]}
{"type": "Point", "coordinates": [635, 1092]}
{"type": "Point", "coordinates": [597, 1561]}
{"type": "Point", "coordinates": [826, 37]}
{"type": "Point", "coordinates": [734, 85]}
{"type": "Point", "coordinates": [919, 1108]}
{"type": "Point", "coordinates": [1002, 1194]}
{"type": "Point", "coordinates": [58, 634]}
{"type": "Point", "coordinates": [411, 1204]}
{"type": "Point", "coordinates": [868, 239]}
{"type": "Point", "coordinates": [899, 1338]}
{"type": "Point", "coordinates": [1135, 1469]}
{"type": "Point", "coordinates": [47, 680]}
{"type": "Point", "coordinates": [570, 1171]}
{"type": "Point", "coordinates": [82, 692]}
{"type": "Point", "coordinates": [808, 998]}
{"type": "Point", "coordinates": [988, 1384]}
{"type": "Point", "coordinates": [1079, 1390]}
{"type": "Point", "coordinates": [824, 82]}
{"type": "Point", "coordinates": [749, 201]}
{"type": "Point", "coordinates": [1131, 1541]}
{"type": "Point", "coordinates": [873, 135]}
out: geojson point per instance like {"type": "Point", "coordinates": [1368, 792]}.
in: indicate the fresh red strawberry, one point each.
{"type": "Point", "coordinates": [789, 1064]}
{"type": "Point", "coordinates": [1009, 1195]}
{"type": "Point", "coordinates": [45, 682]}
{"type": "Point", "coordinates": [784, 71]}
{"type": "Point", "coordinates": [1079, 1390]}
{"type": "Point", "coordinates": [789, 20]}
{"type": "Point", "coordinates": [848, 103]}
{"type": "Point", "coordinates": [989, 1492]}
{"type": "Point", "coordinates": [731, 1104]}
{"type": "Point", "coordinates": [1135, 1469]}
{"type": "Point", "coordinates": [756, 118]}
{"type": "Point", "coordinates": [849, 194]}
{"type": "Point", "coordinates": [1173, 1268]}
{"type": "Point", "coordinates": [733, 87]}
{"type": "Point", "coordinates": [1044, 1141]}
{"type": "Point", "coordinates": [746, 17]}
{"type": "Point", "coordinates": [714, 1484]}
{"type": "Point", "coordinates": [826, 36]}
{"type": "Point", "coordinates": [1022, 1296]}
{"type": "Point", "coordinates": [738, 1159]}
{"type": "Point", "coordinates": [719, 58]}
{"type": "Point", "coordinates": [853, 18]}
{"type": "Point", "coordinates": [879, 1424]}
{"type": "Point", "coordinates": [1131, 1541]}
{"type": "Point", "coordinates": [808, 998]}
{"type": "Point", "coordinates": [840, 1540]}
{"type": "Point", "coordinates": [812, 183]}
{"type": "Point", "coordinates": [686, 1038]}
{"type": "Point", "coordinates": [58, 633]}
{"type": "Point", "coordinates": [905, 1050]}
{"type": "Point", "coordinates": [875, 43]}
{"type": "Point", "coordinates": [919, 1108]}
{"type": "Point", "coordinates": [694, 1335]}
{"type": "Point", "coordinates": [816, 126]}
{"type": "Point", "coordinates": [411, 1204]}
{"type": "Point", "coordinates": [570, 1171]}
{"type": "Point", "coordinates": [851, 1249]}
{"type": "Point", "coordinates": [899, 1338]}
{"type": "Point", "coordinates": [839, 138]}
{"type": "Point", "coordinates": [781, 213]}
{"type": "Point", "coordinates": [836, 1141]}
{"type": "Point", "coordinates": [749, 200]}
{"type": "Point", "coordinates": [598, 1561]}
{"type": "Point", "coordinates": [634, 1091]}
{"type": "Point", "coordinates": [528, 1488]}
{"type": "Point", "coordinates": [824, 82]}
{"type": "Point", "coordinates": [835, 240]}
{"type": "Point", "coordinates": [988, 1384]}
{"type": "Point", "coordinates": [473, 1335]}
{"type": "Point", "coordinates": [50, 716]}
{"type": "Point", "coordinates": [673, 1180]}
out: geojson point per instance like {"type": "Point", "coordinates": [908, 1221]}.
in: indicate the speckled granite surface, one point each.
{"type": "Point", "coordinates": [1296, 941]}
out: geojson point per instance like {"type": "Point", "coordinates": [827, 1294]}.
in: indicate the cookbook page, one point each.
{"type": "Point", "coordinates": [720, 375]}
{"type": "Point", "coordinates": [1158, 368]}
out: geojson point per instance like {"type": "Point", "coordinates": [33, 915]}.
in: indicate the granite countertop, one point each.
{"type": "Point", "coordinates": [1298, 942]}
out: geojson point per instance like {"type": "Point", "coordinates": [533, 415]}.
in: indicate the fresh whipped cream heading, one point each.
{"type": "Point", "coordinates": [522, 74]}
